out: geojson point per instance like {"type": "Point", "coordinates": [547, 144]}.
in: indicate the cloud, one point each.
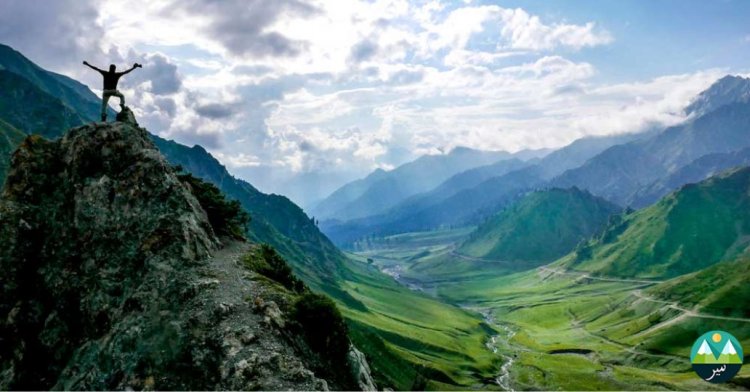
{"type": "Point", "coordinates": [167, 105]}
{"type": "Point", "coordinates": [216, 110]}
{"type": "Point", "coordinates": [363, 50]}
{"type": "Point", "coordinates": [509, 29]}
{"type": "Point", "coordinates": [158, 72]}
{"type": "Point", "coordinates": [405, 77]}
{"type": "Point", "coordinates": [524, 31]}
{"type": "Point", "coordinates": [243, 26]}
{"type": "Point", "coordinates": [58, 35]}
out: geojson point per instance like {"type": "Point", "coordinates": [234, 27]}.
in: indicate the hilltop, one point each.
{"type": "Point", "coordinates": [540, 227]}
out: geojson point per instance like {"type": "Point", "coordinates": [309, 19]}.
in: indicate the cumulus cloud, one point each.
{"type": "Point", "coordinates": [525, 31]}
{"type": "Point", "coordinates": [158, 75]}
{"type": "Point", "coordinates": [242, 26]}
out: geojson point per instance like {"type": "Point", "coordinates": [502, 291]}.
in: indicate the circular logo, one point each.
{"type": "Point", "coordinates": [716, 356]}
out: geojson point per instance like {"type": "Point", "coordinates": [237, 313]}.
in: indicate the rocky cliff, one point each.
{"type": "Point", "coordinates": [112, 277]}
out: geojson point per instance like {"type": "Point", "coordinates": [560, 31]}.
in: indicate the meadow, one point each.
{"type": "Point", "coordinates": [556, 328]}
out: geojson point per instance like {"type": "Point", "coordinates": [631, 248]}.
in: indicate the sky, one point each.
{"type": "Point", "coordinates": [299, 97]}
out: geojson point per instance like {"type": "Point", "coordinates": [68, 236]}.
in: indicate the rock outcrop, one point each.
{"type": "Point", "coordinates": [361, 370]}
{"type": "Point", "coordinates": [111, 277]}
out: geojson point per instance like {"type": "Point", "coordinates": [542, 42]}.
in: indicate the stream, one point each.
{"type": "Point", "coordinates": [396, 272]}
{"type": "Point", "coordinates": [493, 344]}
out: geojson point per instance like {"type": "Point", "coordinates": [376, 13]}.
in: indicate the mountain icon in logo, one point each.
{"type": "Point", "coordinates": [716, 356]}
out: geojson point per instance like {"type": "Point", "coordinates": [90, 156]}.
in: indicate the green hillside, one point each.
{"type": "Point", "coordinates": [72, 93]}
{"type": "Point", "coordinates": [541, 227]}
{"type": "Point", "coordinates": [721, 289]}
{"type": "Point", "coordinates": [691, 229]}
{"type": "Point", "coordinates": [414, 341]}
{"type": "Point", "coordinates": [31, 110]}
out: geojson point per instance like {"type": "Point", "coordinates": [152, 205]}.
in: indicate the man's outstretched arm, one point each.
{"type": "Point", "coordinates": [86, 63]}
{"type": "Point", "coordinates": [136, 65]}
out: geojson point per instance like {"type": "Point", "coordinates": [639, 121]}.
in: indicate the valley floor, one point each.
{"type": "Point", "coordinates": [547, 328]}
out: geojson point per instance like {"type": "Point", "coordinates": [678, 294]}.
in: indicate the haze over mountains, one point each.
{"type": "Point", "coordinates": [632, 170]}
{"type": "Point", "coordinates": [381, 190]}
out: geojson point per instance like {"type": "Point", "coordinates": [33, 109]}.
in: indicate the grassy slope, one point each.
{"type": "Point", "coordinates": [31, 110]}
{"type": "Point", "coordinates": [721, 289]}
{"type": "Point", "coordinates": [541, 227]}
{"type": "Point", "coordinates": [443, 343]}
{"type": "Point", "coordinates": [630, 343]}
{"type": "Point", "coordinates": [693, 228]}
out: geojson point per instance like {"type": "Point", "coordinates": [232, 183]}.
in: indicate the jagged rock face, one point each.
{"type": "Point", "coordinates": [361, 370]}
{"type": "Point", "coordinates": [107, 279]}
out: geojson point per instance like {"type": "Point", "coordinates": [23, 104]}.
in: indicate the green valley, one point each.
{"type": "Point", "coordinates": [557, 328]}
{"type": "Point", "coordinates": [570, 325]}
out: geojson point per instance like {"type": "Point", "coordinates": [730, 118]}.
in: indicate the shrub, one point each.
{"type": "Point", "coordinates": [227, 217]}
{"type": "Point", "coordinates": [323, 326]}
{"type": "Point", "coordinates": [265, 261]}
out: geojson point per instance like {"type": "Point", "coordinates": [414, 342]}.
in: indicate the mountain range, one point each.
{"type": "Point", "coordinates": [632, 170]}
{"type": "Point", "coordinates": [382, 189]}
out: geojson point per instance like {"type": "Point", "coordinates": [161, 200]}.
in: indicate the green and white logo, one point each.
{"type": "Point", "coordinates": [716, 356]}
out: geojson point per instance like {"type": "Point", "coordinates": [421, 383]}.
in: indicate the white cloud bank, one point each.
{"type": "Point", "coordinates": [290, 93]}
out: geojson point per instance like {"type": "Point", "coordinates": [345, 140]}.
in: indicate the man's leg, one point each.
{"type": "Point", "coordinates": [118, 94]}
{"type": "Point", "coordinates": [105, 100]}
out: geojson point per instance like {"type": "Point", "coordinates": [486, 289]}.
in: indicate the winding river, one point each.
{"type": "Point", "coordinates": [493, 344]}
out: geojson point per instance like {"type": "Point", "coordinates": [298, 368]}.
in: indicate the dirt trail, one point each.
{"type": "Point", "coordinates": [576, 323]}
{"type": "Point", "coordinates": [585, 275]}
{"type": "Point", "coordinates": [687, 312]}
{"type": "Point", "coordinates": [479, 259]}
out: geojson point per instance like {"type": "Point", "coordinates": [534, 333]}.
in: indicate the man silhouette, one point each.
{"type": "Point", "coordinates": [110, 85]}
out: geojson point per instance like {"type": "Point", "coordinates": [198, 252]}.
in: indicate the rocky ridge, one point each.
{"type": "Point", "coordinates": [111, 277]}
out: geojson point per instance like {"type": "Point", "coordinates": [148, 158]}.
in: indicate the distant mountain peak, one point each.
{"type": "Point", "coordinates": [461, 150]}
{"type": "Point", "coordinates": [727, 90]}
